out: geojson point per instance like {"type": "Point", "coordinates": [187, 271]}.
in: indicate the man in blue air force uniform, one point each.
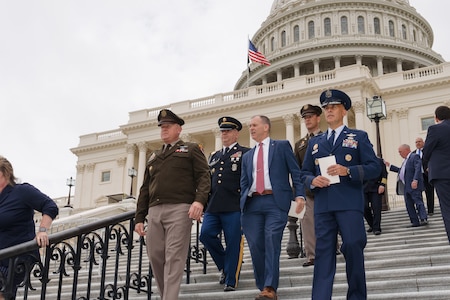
{"type": "Point", "coordinates": [339, 206]}
{"type": "Point", "coordinates": [223, 212]}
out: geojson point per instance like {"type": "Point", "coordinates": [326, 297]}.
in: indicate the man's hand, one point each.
{"type": "Point", "coordinates": [337, 170]}
{"type": "Point", "coordinates": [139, 228]}
{"type": "Point", "coordinates": [300, 204]}
{"type": "Point", "coordinates": [320, 181]}
{"type": "Point", "coordinates": [414, 184]}
{"type": "Point", "coordinates": [381, 189]}
{"type": "Point", "coordinates": [196, 210]}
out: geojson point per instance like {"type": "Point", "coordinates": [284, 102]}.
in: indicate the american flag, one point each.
{"type": "Point", "coordinates": [255, 55]}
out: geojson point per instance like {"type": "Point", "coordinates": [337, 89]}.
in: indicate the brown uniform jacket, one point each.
{"type": "Point", "coordinates": [180, 175]}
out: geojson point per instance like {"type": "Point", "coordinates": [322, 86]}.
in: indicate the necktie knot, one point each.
{"type": "Point", "coordinates": [331, 138]}
{"type": "Point", "coordinates": [225, 150]}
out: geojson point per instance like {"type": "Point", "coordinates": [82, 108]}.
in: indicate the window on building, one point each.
{"type": "Point", "coordinates": [414, 35]}
{"type": "Point", "coordinates": [361, 26]}
{"type": "Point", "coordinates": [404, 31]}
{"type": "Point", "coordinates": [296, 33]}
{"type": "Point", "coordinates": [106, 176]}
{"type": "Point", "coordinates": [283, 38]}
{"type": "Point", "coordinates": [426, 122]}
{"type": "Point", "coordinates": [327, 26]}
{"type": "Point", "coordinates": [272, 44]}
{"type": "Point", "coordinates": [376, 26]}
{"type": "Point", "coordinates": [344, 25]}
{"type": "Point", "coordinates": [311, 33]}
{"type": "Point", "coordinates": [391, 29]}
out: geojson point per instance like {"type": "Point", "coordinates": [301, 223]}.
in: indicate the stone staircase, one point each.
{"type": "Point", "coordinates": [401, 263]}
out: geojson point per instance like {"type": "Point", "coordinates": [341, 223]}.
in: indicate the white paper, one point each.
{"type": "Point", "coordinates": [324, 163]}
{"type": "Point", "coordinates": [292, 212]}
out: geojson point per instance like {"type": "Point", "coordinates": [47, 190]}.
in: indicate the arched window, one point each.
{"type": "Point", "coordinates": [327, 26]}
{"type": "Point", "coordinates": [283, 38]}
{"type": "Point", "coordinates": [344, 25]}
{"type": "Point", "coordinates": [311, 33]}
{"type": "Point", "coordinates": [404, 31]}
{"type": "Point", "coordinates": [361, 26]}
{"type": "Point", "coordinates": [272, 44]}
{"type": "Point", "coordinates": [391, 29]}
{"type": "Point", "coordinates": [296, 33]}
{"type": "Point", "coordinates": [376, 26]}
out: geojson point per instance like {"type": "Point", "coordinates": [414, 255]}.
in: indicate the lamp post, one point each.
{"type": "Point", "coordinates": [376, 111]}
{"type": "Point", "coordinates": [132, 173]}
{"type": "Point", "coordinates": [70, 182]}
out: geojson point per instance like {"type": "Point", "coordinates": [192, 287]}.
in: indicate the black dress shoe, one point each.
{"type": "Point", "coordinates": [413, 225]}
{"type": "Point", "coordinates": [308, 263]}
{"type": "Point", "coordinates": [377, 232]}
{"type": "Point", "coordinates": [222, 277]}
{"type": "Point", "coordinates": [370, 229]}
{"type": "Point", "coordinates": [423, 222]}
{"type": "Point", "coordinates": [229, 288]}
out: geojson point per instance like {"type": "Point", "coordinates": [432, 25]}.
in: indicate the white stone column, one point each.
{"type": "Point", "coordinates": [403, 124]}
{"type": "Point", "coordinates": [296, 69]}
{"type": "Point", "coordinates": [380, 70]}
{"type": "Point", "coordinates": [337, 62]}
{"type": "Point", "coordinates": [142, 163]}
{"type": "Point", "coordinates": [79, 186]}
{"type": "Point", "coordinates": [399, 65]}
{"type": "Point", "coordinates": [303, 129]}
{"type": "Point", "coordinates": [279, 75]}
{"type": "Point", "coordinates": [289, 122]}
{"type": "Point", "coordinates": [87, 200]}
{"type": "Point", "coordinates": [316, 66]}
{"type": "Point", "coordinates": [358, 60]}
{"type": "Point", "coordinates": [264, 79]}
{"type": "Point", "coordinates": [359, 109]}
{"type": "Point", "coordinates": [131, 149]}
{"type": "Point", "coordinates": [218, 138]}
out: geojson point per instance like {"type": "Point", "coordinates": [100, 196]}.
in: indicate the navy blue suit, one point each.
{"type": "Point", "coordinates": [264, 217]}
{"type": "Point", "coordinates": [436, 156]}
{"type": "Point", "coordinates": [340, 207]}
{"type": "Point", "coordinates": [223, 213]}
{"type": "Point", "coordinates": [413, 197]}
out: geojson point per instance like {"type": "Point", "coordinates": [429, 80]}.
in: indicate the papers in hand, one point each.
{"type": "Point", "coordinates": [324, 163]}
{"type": "Point", "coordinates": [292, 212]}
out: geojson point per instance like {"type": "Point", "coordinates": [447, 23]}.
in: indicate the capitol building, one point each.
{"type": "Point", "coordinates": [366, 48]}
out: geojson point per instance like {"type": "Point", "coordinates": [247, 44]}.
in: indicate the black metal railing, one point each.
{"type": "Point", "coordinates": [100, 260]}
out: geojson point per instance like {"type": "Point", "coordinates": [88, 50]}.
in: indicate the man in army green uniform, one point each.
{"type": "Point", "coordinates": [174, 192]}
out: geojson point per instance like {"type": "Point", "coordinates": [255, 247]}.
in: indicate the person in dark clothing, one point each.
{"type": "Point", "coordinates": [17, 205]}
{"type": "Point", "coordinates": [373, 193]}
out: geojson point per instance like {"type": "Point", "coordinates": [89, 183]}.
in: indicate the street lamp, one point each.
{"type": "Point", "coordinates": [70, 183]}
{"type": "Point", "coordinates": [132, 173]}
{"type": "Point", "coordinates": [376, 111]}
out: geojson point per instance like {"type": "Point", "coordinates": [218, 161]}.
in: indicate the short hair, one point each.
{"type": "Point", "coordinates": [7, 170]}
{"type": "Point", "coordinates": [442, 113]}
{"type": "Point", "coordinates": [264, 119]}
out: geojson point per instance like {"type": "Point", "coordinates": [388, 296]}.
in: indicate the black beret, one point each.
{"type": "Point", "coordinates": [335, 97]}
{"type": "Point", "coordinates": [166, 116]}
{"type": "Point", "coordinates": [229, 123]}
{"type": "Point", "coordinates": [309, 109]}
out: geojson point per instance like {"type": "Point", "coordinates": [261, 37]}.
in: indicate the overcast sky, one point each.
{"type": "Point", "coordinates": [69, 68]}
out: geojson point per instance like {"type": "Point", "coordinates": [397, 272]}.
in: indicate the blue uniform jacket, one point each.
{"type": "Point", "coordinates": [351, 149]}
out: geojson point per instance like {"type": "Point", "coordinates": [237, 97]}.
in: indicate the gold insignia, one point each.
{"type": "Point", "coordinates": [305, 107]}
{"type": "Point", "coordinates": [316, 162]}
{"type": "Point", "coordinates": [328, 94]}
{"type": "Point", "coordinates": [224, 119]}
{"type": "Point", "coordinates": [315, 147]}
{"type": "Point", "coordinates": [348, 157]}
{"type": "Point", "coordinates": [163, 113]}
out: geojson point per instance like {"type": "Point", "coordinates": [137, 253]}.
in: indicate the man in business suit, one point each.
{"type": "Point", "coordinates": [266, 196]}
{"type": "Point", "coordinates": [311, 116]}
{"type": "Point", "coordinates": [410, 176]}
{"type": "Point", "coordinates": [223, 211]}
{"type": "Point", "coordinates": [436, 156]}
{"type": "Point", "coordinates": [429, 188]}
{"type": "Point", "coordinates": [339, 206]}
{"type": "Point", "coordinates": [170, 208]}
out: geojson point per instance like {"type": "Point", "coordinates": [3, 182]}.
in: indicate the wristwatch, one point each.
{"type": "Point", "coordinates": [42, 229]}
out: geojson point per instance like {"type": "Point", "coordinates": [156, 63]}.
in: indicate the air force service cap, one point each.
{"type": "Point", "coordinates": [309, 109]}
{"type": "Point", "coordinates": [335, 97]}
{"type": "Point", "coordinates": [229, 123]}
{"type": "Point", "coordinates": [166, 116]}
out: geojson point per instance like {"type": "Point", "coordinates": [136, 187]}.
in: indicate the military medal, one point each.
{"type": "Point", "coordinates": [348, 157]}
{"type": "Point", "coordinates": [234, 167]}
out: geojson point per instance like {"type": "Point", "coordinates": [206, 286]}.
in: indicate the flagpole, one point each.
{"type": "Point", "coordinates": [248, 62]}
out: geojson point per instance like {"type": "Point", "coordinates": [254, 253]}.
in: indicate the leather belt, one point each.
{"type": "Point", "coordinates": [265, 192]}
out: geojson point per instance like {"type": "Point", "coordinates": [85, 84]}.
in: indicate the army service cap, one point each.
{"type": "Point", "coordinates": [335, 97]}
{"type": "Point", "coordinates": [229, 123]}
{"type": "Point", "coordinates": [310, 109]}
{"type": "Point", "coordinates": [166, 116]}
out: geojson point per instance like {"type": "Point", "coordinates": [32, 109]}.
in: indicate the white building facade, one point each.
{"type": "Point", "coordinates": [365, 48]}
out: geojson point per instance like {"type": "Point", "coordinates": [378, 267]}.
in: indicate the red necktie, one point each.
{"type": "Point", "coordinates": [260, 170]}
